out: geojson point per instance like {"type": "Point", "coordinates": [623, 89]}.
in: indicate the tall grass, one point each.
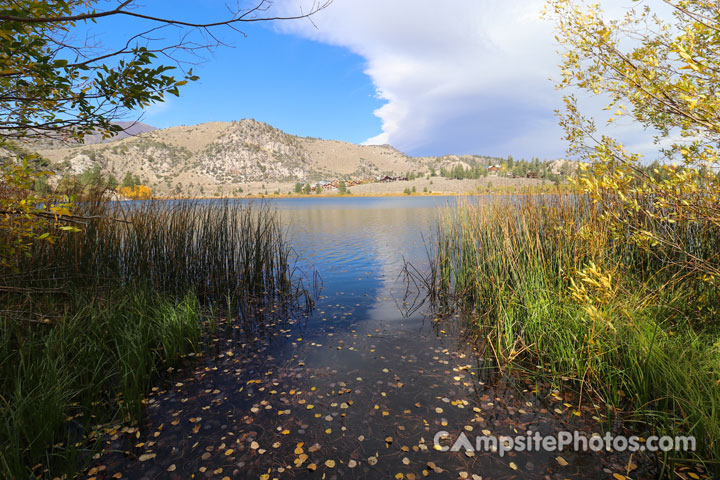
{"type": "Point", "coordinates": [58, 381]}
{"type": "Point", "coordinates": [554, 293]}
{"type": "Point", "coordinates": [217, 249]}
{"type": "Point", "coordinates": [90, 320]}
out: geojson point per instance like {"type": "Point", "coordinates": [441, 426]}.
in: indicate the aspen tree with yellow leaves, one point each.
{"type": "Point", "coordinates": [662, 72]}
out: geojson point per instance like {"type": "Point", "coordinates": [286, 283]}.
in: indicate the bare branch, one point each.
{"type": "Point", "coordinates": [242, 18]}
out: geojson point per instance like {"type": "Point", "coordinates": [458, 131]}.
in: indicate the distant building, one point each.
{"type": "Point", "coordinates": [388, 179]}
{"type": "Point", "coordinates": [494, 168]}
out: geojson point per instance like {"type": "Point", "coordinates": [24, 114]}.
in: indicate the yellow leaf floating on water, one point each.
{"type": "Point", "coordinates": [617, 476]}
{"type": "Point", "coordinates": [513, 466]}
{"type": "Point", "coordinates": [330, 463]}
{"type": "Point", "coordinates": [561, 461]}
{"type": "Point", "coordinates": [301, 459]}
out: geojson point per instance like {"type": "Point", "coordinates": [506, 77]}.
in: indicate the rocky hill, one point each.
{"type": "Point", "coordinates": [130, 129]}
{"type": "Point", "coordinates": [229, 158]}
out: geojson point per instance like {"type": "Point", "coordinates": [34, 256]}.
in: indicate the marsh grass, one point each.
{"type": "Point", "coordinates": [554, 294]}
{"type": "Point", "coordinates": [216, 248]}
{"type": "Point", "coordinates": [92, 319]}
{"type": "Point", "coordinates": [60, 380]}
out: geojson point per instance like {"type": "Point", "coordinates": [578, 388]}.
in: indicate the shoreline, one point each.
{"type": "Point", "coordinates": [360, 195]}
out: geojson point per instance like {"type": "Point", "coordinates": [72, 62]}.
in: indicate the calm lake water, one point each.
{"type": "Point", "coordinates": [359, 388]}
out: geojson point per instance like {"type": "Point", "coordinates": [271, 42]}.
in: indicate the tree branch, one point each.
{"type": "Point", "coordinates": [243, 18]}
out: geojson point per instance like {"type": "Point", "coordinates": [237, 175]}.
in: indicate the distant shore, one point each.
{"type": "Point", "coordinates": [562, 191]}
{"type": "Point", "coordinates": [433, 186]}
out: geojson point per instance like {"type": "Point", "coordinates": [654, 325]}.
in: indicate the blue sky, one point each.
{"type": "Point", "coordinates": [298, 85]}
{"type": "Point", "coordinates": [469, 77]}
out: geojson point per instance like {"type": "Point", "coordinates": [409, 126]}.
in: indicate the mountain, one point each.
{"type": "Point", "coordinates": [130, 129]}
{"type": "Point", "coordinates": [227, 158]}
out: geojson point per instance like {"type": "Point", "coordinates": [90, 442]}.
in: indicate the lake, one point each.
{"type": "Point", "coordinates": [360, 387]}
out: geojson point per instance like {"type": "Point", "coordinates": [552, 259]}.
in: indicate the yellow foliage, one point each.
{"type": "Point", "coordinates": [137, 192]}
{"type": "Point", "coordinates": [27, 216]}
{"type": "Point", "coordinates": [594, 291]}
{"type": "Point", "coordinates": [664, 75]}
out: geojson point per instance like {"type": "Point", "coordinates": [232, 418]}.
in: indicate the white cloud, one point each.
{"type": "Point", "coordinates": [158, 110]}
{"type": "Point", "coordinates": [462, 76]}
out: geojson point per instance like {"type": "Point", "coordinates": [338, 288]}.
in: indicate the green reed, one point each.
{"type": "Point", "coordinates": [60, 380]}
{"type": "Point", "coordinates": [91, 320]}
{"type": "Point", "coordinates": [217, 249]}
{"type": "Point", "coordinates": [646, 342]}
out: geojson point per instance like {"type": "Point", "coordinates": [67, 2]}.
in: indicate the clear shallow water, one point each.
{"type": "Point", "coordinates": [364, 383]}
